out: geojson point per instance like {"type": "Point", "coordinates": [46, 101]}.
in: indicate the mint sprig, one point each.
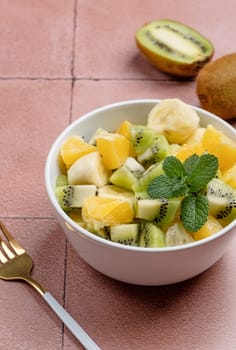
{"type": "Point", "coordinates": [187, 180]}
{"type": "Point", "coordinates": [194, 211]}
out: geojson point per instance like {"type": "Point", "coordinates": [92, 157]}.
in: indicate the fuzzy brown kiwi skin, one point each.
{"type": "Point", "coordinates": [180, 70]}
{"type": "Point", "coordinates": [216, 86]}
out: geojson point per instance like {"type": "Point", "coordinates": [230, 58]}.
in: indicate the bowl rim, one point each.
{"type": "Point", "coordinates": [73, 226]}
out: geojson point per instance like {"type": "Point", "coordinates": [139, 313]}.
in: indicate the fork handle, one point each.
{"type": "Point", "coordinates": [73, 326]}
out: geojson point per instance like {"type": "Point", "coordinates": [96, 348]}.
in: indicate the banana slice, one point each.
{"type": "Point", "coordinates": [88, 169]}
{"type": "Point", "coordinates": [175, 119]}
{"type": "Point", "coordinates": [177, 235]}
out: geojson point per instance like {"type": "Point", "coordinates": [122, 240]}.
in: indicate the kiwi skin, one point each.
{"type": "Point", "coordinates": [216, 86]}
{"type": "Point", "coordinates": [171, 65]}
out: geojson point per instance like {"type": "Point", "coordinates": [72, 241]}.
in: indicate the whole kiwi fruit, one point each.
{"type": "Point", "coordinates": [216, 86]}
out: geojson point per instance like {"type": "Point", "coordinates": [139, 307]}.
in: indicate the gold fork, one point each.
{"type": "Point", "coordinates": [16, 264]}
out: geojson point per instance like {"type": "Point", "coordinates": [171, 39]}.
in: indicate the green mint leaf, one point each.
{"type": "Point", "coordinates": [194, 212]}
{"type": "Point", "coordinates": [203, 171]}
{"type": "Point", "coordinates": [166, 187]}
{"type": "Point", "coordinates": [173, 167]}
{"type": "Point", "coordinates": [190, 163]}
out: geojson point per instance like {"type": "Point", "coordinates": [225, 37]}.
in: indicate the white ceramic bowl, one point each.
{"type": "Point", "coordinates": [144, 266]}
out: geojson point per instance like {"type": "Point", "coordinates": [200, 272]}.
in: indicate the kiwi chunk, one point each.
{"type": "Point", "coordinates": [61, 180]}
{"type": "Point", "coordinates": [151, 236]}
{"type": "Point", "coordinates": [102, 232]}
{"type": "Point", "coordinates": [173, 47]}
{"type": "Point", "coordinates": [127, 174]}
{"type": "Point", "coordinates": [123, 177]}
{"type": "Point", "coordinates": [141, 137]}
{"type": "Point", "coordinates": [147, 209]}
{"type": "Point", "coordinates": [125, 234]}
{"type": "Point", "coordinates": [160, 211]}
{"type": "Point", "coordinates": [150, 146]}
{"type": "Point", "coordinates": [151, 172]}
{"type": "Point", "coordinates": [158, 150]}
{"type": "Point", "coordinates": [222, 201]}
{"type": "Point", "coordinates": [70, 196]}
{"type": "Point", "coordinates": [134, 166]}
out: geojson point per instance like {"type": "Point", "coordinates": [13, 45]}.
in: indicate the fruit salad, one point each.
{"type": "Point", "coordinates": [166, 183]}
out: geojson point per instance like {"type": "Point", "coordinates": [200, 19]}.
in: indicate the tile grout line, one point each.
{"type": "Point", "coordinates": [74, 78]}
{"type": "Point", "coordinates": [70, 119]}
{"type": "Point", "coordinates": [45, 218]}
{"type": "Point", "coordinates": [73, 59]}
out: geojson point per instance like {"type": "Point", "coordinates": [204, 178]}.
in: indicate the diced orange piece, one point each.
{"type": "Point", "coordinates": [215, 142]}
{"type": "Point", "coordinates": [211, 226]}
{"type": "Point", "coordinates": [106, 211]}
{"type": "Point", "coordinates": [212, 141]}
{"type": "Point", "coordinates": [114, 149]}
{"type": "Point", "coordinates": [74, 148]}
{"type": "Point", "coordinates": [187, 150]}
{"type": "Point", "coordinates": [230, 176]}
{"type": "Point", "coordinates": [124, 129]}
{"type": "Point", "coordinates": [192, 146]}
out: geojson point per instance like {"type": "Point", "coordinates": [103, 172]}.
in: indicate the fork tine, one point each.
{"type": "Point", "coordinates": [14, 244]}
{"type": "Point", "coordinates": [7, 251]}
{"type": "Point", "coordinates": [3, 259]}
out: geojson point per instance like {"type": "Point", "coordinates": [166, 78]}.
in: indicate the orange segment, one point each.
{"type": "Point", "coordinates": [101, 211]}
{"type": "Point", "coordinates": [215, 142]}
{"type": "Point", "coordinates": [114, 149]}
{"type": "Point", "coordinates": [211, 226]}
{"type": "Point", "coordinates": [74, 148]}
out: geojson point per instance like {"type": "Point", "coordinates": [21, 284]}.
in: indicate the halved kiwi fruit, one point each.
{"type": "Point", "coordinates": [173, 47]}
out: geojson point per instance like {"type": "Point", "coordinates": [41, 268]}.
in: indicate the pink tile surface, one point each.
{"type": "Point", "coordinates": [197, 314]}
{"type": "Point", "coordinates": [36, 38]}
{"type": "Point", "coordinates": [27, 322]}
{"type": "Point", "coordinates": [58, 60]}
{"type": "Point", "coordinates": [105, 45]}
{"type": "Point", "coordinates": [32, 115]}
{"type": "Point", "coordinates": [110, 91]}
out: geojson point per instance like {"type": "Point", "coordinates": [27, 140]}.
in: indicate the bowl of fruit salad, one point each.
{"type": "Point", "coordinates": [145, 190]}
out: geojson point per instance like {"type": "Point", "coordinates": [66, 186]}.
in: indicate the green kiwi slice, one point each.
{"type": "Point", "coordinates": [127, 174]}
{"type": "Point", "coordinates": [73, 196]}
{"type": "Point", "coordinates": [123, 177]}
{"type": "Point", "coordinates": [151, 236]}
{"type": "Point", "coordinates": [61, 180]}
{"type": "Point", "coordinates": [125, 234]}
{"type": "Point", "coordinates": [141, 137]}
{"type": "Point", "coordinates": [151, 172]}
{"type": "Point", "coordinates": [174, 47]}
{"type": "Point", "coordinates": [222, 201]}
{"type": "Point", "coordinates": [160, 211]}
{"type": "Point", "coordinates": [158, 150]}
